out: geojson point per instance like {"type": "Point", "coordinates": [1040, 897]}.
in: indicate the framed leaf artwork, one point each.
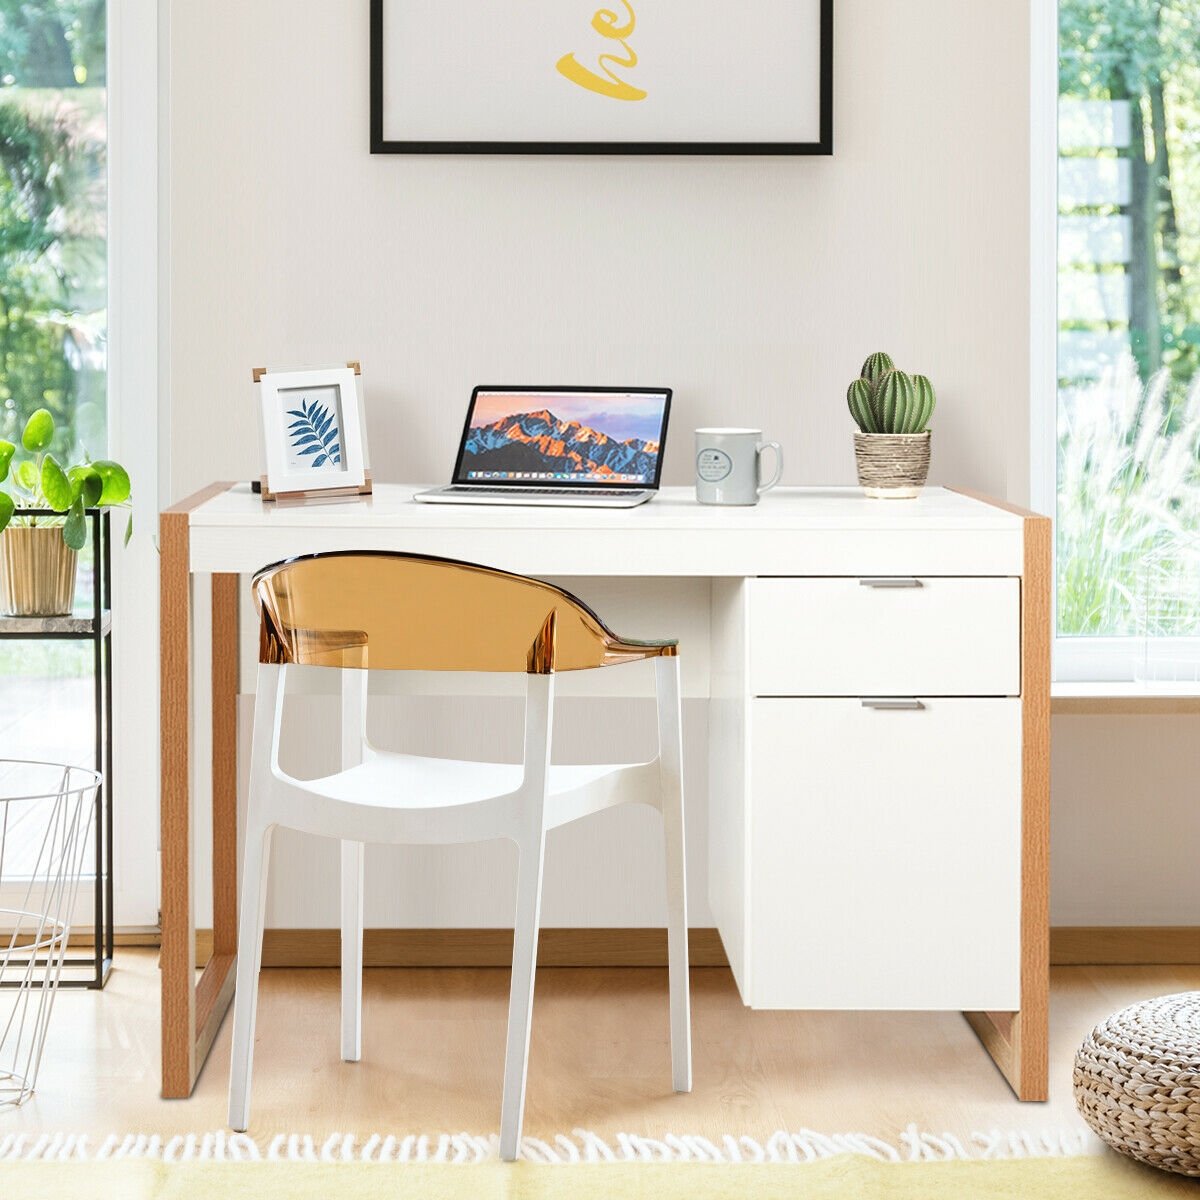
{"type": "Point", "coordinates": [602, 77]}
{"type": "Point", "coordinates": [312, 430]}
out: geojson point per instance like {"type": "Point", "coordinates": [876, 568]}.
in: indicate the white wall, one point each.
{"type": "Point", "coordinates": [1126, 821]}
{"type": "Point", "coordinates": [754, 287]}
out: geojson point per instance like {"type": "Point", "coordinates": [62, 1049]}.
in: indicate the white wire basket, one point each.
{"type": "Point", "coordinates": [45, 817]}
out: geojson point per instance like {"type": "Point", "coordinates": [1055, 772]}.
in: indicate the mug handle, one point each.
{"type": "Point", "coordinates": [766, 487]}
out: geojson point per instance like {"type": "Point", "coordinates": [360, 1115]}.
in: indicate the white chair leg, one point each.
{"type": "Point", "coordinates": [354, 724]}
{"type": "Point", "coordinates": [670, 756]}
{"type": "Point", "coordinates": [520, 1002]}
{"type": "Point", "coordinates": [352, 950]}
{"type": "Point", "coordinates": [245, 1004]}
{"type": "Point", "coordinates": [531, 842]}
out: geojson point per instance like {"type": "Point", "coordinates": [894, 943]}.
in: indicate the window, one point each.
{"type": "Point", "coordinates": [53, 204]}
{"type": "Point", "coordinates": [1128, 408]}
{"type": "Point", "coordinates": [53, 321]}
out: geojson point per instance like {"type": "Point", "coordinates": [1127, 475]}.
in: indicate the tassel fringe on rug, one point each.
{"type": "Point", "coordinates": [804, 1146]}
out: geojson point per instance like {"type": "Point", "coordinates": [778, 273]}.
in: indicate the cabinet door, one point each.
{"type": "Point", "coordinates": [885, 855]}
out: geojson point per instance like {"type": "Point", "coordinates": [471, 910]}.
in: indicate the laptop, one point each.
{"type": "Point", "coordinates": [599, 447]}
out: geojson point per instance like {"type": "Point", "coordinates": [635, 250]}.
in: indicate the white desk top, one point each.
{"type": "Point", "coordinates": [392, 507]}
{"type": "Point", "coordinates": [838, 531]}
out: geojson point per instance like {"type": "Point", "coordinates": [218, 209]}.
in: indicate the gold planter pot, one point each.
{"type": "Point", "coordinates": [892, 466]}
{"type": "Point", "coordinates": [37, 572]}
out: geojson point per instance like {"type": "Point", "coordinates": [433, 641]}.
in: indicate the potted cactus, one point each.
{"type": "Point", "coordinates": [892, 411]}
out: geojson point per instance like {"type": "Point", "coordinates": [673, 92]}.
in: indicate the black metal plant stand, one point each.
{"type": "Point", "coordinates": [96, 628]}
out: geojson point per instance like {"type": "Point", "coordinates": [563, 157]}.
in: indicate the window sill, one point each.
{"type": "Point", "coordinates": [1124, 698]}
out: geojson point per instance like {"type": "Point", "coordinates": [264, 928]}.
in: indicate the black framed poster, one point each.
{"type": "Point", "coordinates": [602, 77]}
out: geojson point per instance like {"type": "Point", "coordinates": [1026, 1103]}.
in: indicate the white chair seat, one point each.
{"type": "Point", "coordinates": [410, 781]}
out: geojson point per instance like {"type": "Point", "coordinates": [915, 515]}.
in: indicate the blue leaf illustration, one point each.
{"type": "Point", "coordinates": [314, 434]}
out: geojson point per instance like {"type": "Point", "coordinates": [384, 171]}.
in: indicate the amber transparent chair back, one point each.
{"type": "Point", "coordinates": [406, 612]}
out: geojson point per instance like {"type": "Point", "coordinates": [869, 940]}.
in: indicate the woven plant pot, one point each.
{"type": "Point", "coordinates": [37, 572]}
{"type": "Point", "coordinates": [1137, 1082]}
{"type": "Point", "coordinates": [892, 466]}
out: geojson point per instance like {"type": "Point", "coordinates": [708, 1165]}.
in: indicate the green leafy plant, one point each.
{"type": "Point", "coordinates": [41, 481]}
{"type": "Point", "coordinates": [886, 400]}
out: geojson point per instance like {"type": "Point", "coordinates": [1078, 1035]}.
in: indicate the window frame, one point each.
{"type": "Point", "coordinates": [1089, 660]}
{"type": "Point", "coordinates": [137, 404]}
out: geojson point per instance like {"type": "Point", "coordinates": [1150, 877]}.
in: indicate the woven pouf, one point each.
{"type": "Point", "coordinates": [1137, 1082]}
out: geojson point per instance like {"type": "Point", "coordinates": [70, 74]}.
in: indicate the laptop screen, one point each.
{"type": "Point", "coordinates": [546, 437]}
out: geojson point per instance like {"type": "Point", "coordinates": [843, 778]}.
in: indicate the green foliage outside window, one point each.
{"type": "Point", "coordinates": [1129, 483]}
{"type": "Point", "coordinates": [53, 202]}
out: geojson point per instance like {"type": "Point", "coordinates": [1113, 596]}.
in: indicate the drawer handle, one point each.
{"type": "Point", "coordinates": [890, 582]}
{"type": "Point", "coordinates": [894, 704]}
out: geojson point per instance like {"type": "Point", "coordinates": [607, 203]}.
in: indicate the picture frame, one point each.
{"type": "Point", "coordinates": [312, 432]}
{"type": "Point", "coordinates": [594, 77]}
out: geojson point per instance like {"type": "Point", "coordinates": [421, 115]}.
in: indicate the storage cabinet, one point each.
{"type": "Point", "coordinates": [866, 790]}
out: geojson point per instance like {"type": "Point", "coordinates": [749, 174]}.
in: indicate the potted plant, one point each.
{"type": "Point", "coordinates": [38, 554]}
{"type": "Point", "coordinates": [892, 410]}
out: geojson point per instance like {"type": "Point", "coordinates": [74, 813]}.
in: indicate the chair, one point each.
{"type": "Point", "coordinates": [360, 611]}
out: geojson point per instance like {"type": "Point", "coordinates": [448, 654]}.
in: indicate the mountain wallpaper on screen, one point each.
{"type": "Point", "coordinates": [540, 441]}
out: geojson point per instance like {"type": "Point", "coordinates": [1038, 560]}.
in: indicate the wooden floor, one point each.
{"type": "Point", "coordinates": [434, 1050]}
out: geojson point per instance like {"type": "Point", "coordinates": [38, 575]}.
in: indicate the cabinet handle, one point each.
{"type": "Point", "coordinates": [889, 582]}
{"type": "Point", "coordinates": [894, 704]}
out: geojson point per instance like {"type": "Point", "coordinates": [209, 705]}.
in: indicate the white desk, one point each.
{"type": "Point", "coordinates": [892, 854]}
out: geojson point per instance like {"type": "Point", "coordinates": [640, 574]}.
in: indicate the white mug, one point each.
{"type": "Point", "coordinates": [729, 466]}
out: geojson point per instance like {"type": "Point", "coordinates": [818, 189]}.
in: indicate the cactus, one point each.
{"type": "Point", "coordinates": [876, 367]}
{"type": "Point", "coordinates": [861, 409]}
{"type": "Point", "coordinates": [887, 400]}
{"type": "Point", "coordinates": [926, 399]}
{"type": "Point", "coordinates": [893, 399]}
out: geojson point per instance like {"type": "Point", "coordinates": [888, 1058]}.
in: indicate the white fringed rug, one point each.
{"type": "Point", "coordinates": [580, 1167]}
{"type": "Point", "coordinates": [581, 1147]}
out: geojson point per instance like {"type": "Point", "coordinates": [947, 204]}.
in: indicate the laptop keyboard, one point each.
{"type": "Point", "coordinates": [533, 491]}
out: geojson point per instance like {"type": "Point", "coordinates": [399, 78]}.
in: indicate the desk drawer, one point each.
{"type": "Point", "coordinates": [934, 636]}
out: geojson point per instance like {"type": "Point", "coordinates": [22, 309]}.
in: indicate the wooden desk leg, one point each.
{"type": "Point", "coordinates": [1019, 1042]}
{"type": "Point", "coordinates": [191, 1010]}
{"type": "Point", "coordinates": [215, 989]}
{"type": "Point", "coordinates": [178, 959]}
{"type": "Point", "coordinates": [225, 594]}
